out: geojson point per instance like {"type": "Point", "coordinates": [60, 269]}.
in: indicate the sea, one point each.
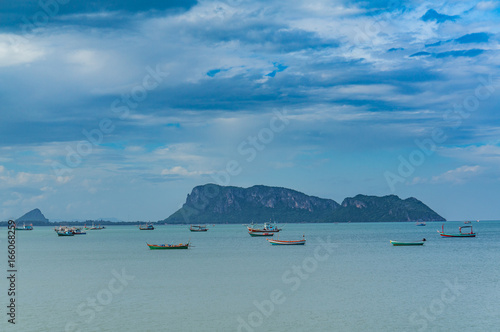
{"type": "Point", "coordinates": [347, 277]}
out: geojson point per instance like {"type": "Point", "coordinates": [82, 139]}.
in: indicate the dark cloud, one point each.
{"type": "Point", "coordinates": [432, 15]}
{"type": "Point", "coordinates": [454, 53]}
{"type": "Point", "coordinates": [460, 53]}
{"type": "Point", "coordinates": [423, 53]}
{"type": "Point", "coordinates": [264, 36]}
{"type": "Point", "coordinates": [478, 37]}
{"type": "Point", "coordinates": [439, 43]}
{"type": "Point", "coordinates": [19, 14]}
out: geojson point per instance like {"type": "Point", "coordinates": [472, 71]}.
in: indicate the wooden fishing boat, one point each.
{"type": "Point", "coordinates": [460, 232]}
{"type": "Point", "coordinates": [399, 243]}
{"type": "Point", "coordinates": [147, 227]}
{"type": "Point", "coordinates": [281, 242]}
{"type": "Point", "coordinates": [77, 231]}
{"type": "Point", "coordinates": [420, 223]}
{"type": "Point", "coordinates": [267, 228]}
{"type": "Point", "coordinates": [168, 246]}
{"type": "Point", "coordinates": [260, 234]}
{"type": "Point", "coordinates": [198, 228]}
{"type": "Point", "coordinates": [95, 228]}
{"type": "Point", "coordinates": [65, 233]}
{"type": "Point", "coordinates": [24, 228]}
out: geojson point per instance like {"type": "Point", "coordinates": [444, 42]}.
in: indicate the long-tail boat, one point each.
{"type": "Point", "coordinates": [147, 227]}
{"type": "Point", "coordinates": [260, 234]}
{"type": "Point", "coordinates": [268, 228]}
{"type": "Point", "coordinates": [460, 232]}
{"type": "Point", "coordinates": [280, 242]}
{"type": "Point", "coordinates": [399, 243]}
{"type": "Point", "coordinates": [198, 228]}
{"type": "Point", "coordinates": [168, 246]}
{"type": "Point", "coordinates": [65, 233]}
{"type": "Point", "coordinates": [24, 228]}
{"type": "Point", "coordinates": [94, 228]}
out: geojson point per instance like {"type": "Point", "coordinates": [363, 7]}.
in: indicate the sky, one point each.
{"type": "Point", "coordinates": [115, 109]}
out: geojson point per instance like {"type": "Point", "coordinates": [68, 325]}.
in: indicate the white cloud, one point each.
{"type": "Point", "coordinates": [16, 50]}
{"type": "Point", "coordinates": [484, 154]}
{"type": "Point", "coordinates": [181, 171]}
{"type": "Point", "coordinates": [487, 5]}
{"type": "Point", "coordinates": [458, 175]}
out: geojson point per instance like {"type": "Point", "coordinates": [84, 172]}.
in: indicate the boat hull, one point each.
{"type": "Point", "coordinates": [260, 234]}
{"type": "Point", "coordinates": [258, 230]}
{"type": "Point", "coordinates": [167, 247]}
{"type": "Point", "coordinates": [457, 235]}
{"type": "Point", "coordinates": [65, 234]}
{"type": "Point", "coordinates": [397, 243]}
{"type": "Point", "coordinates": [286, 243]}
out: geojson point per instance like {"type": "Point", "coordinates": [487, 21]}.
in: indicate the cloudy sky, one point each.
{"type": "Point", "coordinates": [118, 109]}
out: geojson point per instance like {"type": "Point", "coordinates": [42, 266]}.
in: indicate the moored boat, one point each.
{"type": "Point", "coordinates": [260, 234]}
{"type": "Point", "coordinates": [65, 230]}
{"type": "Point", "coordinates": [267, 228]}
{"type": "Point", "coordinates": [24, 228]}
{"type": "Point", "coordinates": [94, 228]}
{"type": "Point", "coordinates": [198, 228]}
{"type": "Point", "coordinates": [147, 227]}
{"type": "Point", "coordinates": [420, 223]}
{"type": "Point", "coordinates": [399, 243]}
{"type": "Point", "coordinates": [168, 246]}
{"type": "Point", "coordinates": [281, 242]}
{"type": "Point", "coordinates": [77, 231]}
{"type": "Point", "coordinates": [65, 233]}
{"type": "Point", "coordinates": [460, 232]}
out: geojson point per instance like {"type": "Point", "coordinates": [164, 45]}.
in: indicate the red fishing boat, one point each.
{"type": "Point", "coordinates": [268, 228]}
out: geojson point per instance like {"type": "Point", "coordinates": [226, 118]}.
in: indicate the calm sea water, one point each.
{"type": "Point", "coordinates": [346, 278]}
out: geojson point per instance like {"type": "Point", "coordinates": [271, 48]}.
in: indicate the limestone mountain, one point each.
{"type": "Point", "coordinates": [227, 204]}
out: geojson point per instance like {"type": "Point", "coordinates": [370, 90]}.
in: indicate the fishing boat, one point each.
{"type": "Point", "coordinates": [25, 228]}
{"type": "Point", "coordinates": [267, 228]}
{"type": "Point", "coordinates": [399, 243]}
{"type": "Point", "coordinates": [198, 228]}
{"type": "Point", "coordinates": [94, 228]}
{"type": "Point", "coordinates": [460, 232]}
{"type": "Point", "coordinates": [280, 242]}
{"type": "Point", "coordinates": [260, 234]}
{"type": "Point", "coordinates": [147, 227]}
{"type": "Point", "coordinates": [420, 223]}
{"type": "Point", "coordinates": [65, 233]}
{"type": "Point", "coordinates": [77, 231]}
{"type": "Point", "coordinates": [168, 246]}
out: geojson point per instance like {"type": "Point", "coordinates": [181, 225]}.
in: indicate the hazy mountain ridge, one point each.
{"type": "Point", "coordinates": [217, 204]}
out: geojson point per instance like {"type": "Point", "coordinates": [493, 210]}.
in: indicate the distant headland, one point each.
{"type": "Point", "coordinates": [214, 204]}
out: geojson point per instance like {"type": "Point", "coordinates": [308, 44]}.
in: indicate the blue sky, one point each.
{"type": "Point", "coordinates": [115, 109]}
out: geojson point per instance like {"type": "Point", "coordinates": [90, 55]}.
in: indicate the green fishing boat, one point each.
{"type": "Point", "coordinates": [168, 246]}
{"type": "Point", "coordinates": [399, 243]}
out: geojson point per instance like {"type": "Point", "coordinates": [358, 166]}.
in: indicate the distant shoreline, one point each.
{"type": "Point", "coordinates": [136, 223]}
